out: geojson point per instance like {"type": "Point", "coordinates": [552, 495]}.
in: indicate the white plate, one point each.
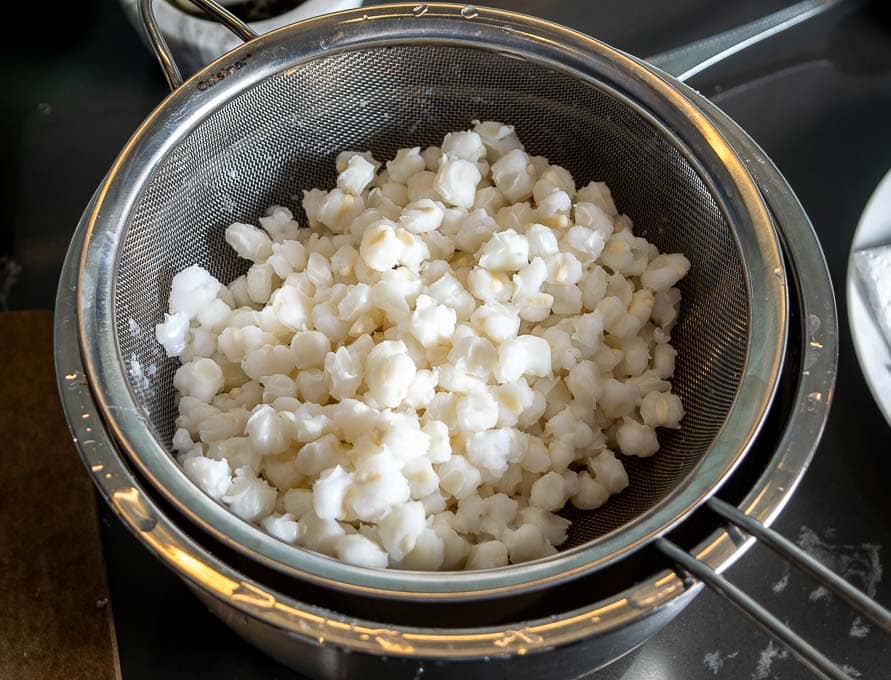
{"type": "Point", "coordinates": [873, 352]}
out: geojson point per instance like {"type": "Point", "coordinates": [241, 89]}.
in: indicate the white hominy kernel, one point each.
{"type": "Point", "coordinates": [213, 476]}
{"type": "Point", "coordinates": [201, 379]}
{"type": "Point", "coordinates": [476, 411]}
{"type": "Point", "coordinates": [361, 551]}
{"type": "Point", "coordinates": [591, 493]}
{"type": "Point", "coordinates": [506, 251]}
{"type": "Point", "coordinates": [388, 376]}
{"type": "Point", "coordinates": [458, 477]}
{"type": "Point", "coordinates": [636, 439]}
{"type": "Point", "coordinates": [557, 203]}
{"type": "Point", "coordinates": [448, 290]}
{"type": "Point", "coordinates": [488, 285]}
{"type": "Point", "coordinates": [395, 192]}
{"type": "Point", "coordinates": [279, 470]}
{"type": "Point", "coordinates": [431, 156]}
{"type": "Point", "coordinates": [321, 535]}
{"type": "Point", "coordinates": [400, 528]}
{"type": "Point", "coordinates": [279, 224]}
{"type": "Point", "coordinates": [664, 271]}
{"type": "Point", "coordinates": [609, 471]}
{"type": "Point", "coordinates": [249, 497]}
{"type": "Point", "coordinates": [548, 492]}
{"type": "Point", "coordinates": [237, 451]}
{"type": "Point", "coordinates": [341, 163]}
{"type": "Point", "coordinates": [472, 230]}
{"type": "Point", "coordinates": [456, 181]}
{"type": "Point", "coordinates": [173, 333]}
{"type": "Point", "coordinates": [344, 371]}
{"type": "Point", "coordinates": [313, 385]}
{"type": "Point", "coordinates": [523, 355]}
{"type": "Point", "coordinates": [283, 527]}
{"type": "Point", "coordinates": [664, 360]}
{"type": "Point", "coordinates": [498, 138]}
{"type": "Point", "coordinates": [488, 450]}
{"type": "Point", "coordinates": [467, 145]}
{"type": "Point", "coordinates": [309, 349]}
{"type": "Point", "coordinates": [514, 175]}
{"type": "Point", "coordinates": [488, 199]}
{"type": "Point", "coordinates": [428, 553]}
{"type": "Point", "coordinates": [473, 355]}
{"type": "Point", "coordinates": [487, 555]}
{"type": "Point", "coordinates": [563, 268]}
{"type": "Point", "coordinates": [528, 542]}
{"type": "Point", "coordinates": [338, 209]}
{"type": "Point", "coordinates": [249, 242]}
{"type": "Point", "coordinates": [223, 425]}
{"type": "Point", "coordinates": [192, 289]}
{"type": "Point", "coordinates": [421, 216]}
{"type": "Point", "coordinates": [406, 163]}
{"type": "Point", "coordinates": [665, 307]}
{"type": "Point", "coordinates": [329, 492]}
{"type": "Point", "coordinates": [659, 409]}
{"type": "Point", "coordinates": [498, 321]}
{"type": "Point", "coordinates": [356, 176]}
{"type": "Point", "coordinates": [598, 194]}
{"type": "Point", "coordinates": [268, 432]}
{"type": "Point", "coordinates": [380, 247]}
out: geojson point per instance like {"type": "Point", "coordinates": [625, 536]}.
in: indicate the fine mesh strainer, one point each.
{"type": "Point", "coordinates": [266, 121]}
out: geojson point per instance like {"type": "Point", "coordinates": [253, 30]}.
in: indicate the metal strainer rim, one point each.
{"type": "Point", "coordinates": [539, 41]}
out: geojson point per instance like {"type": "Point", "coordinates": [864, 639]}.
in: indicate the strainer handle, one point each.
{"type": "Point", "coordinates": [685, 62]}
{"type": "Point", "coordinates": [810, 656]}
{"type": "Point", "coordinates": [159, 46]}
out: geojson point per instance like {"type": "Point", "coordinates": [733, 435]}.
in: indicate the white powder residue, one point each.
{"type": "Point", "coordinates": [768, 655]}
{"type": "Point", "coordinates": [150, 370]}
{"type": "Point", "coordinates": [140, 377]}
{"type": "Point", "coordinates": [780, 585]}
{"type": "Point", "coordinates": [818, 593]}
{"type": "Point", "coordinates": [858, 629]}
{"type": "Point", "coordinates": [857, 564]}
{"type": "Point", "coordinates": [135, 329]}
{"type": "Point", "coordinates": [714, 662]}
{"type": "Point", "coordinates": [850, 670]}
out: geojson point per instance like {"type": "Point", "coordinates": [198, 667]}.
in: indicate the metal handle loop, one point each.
{"type": "Point", "coordinates": [685, 62]}
{"type": "Point", "coordinates": [811, 657]}
{"type": "Point", "coordinates": [162, 51]}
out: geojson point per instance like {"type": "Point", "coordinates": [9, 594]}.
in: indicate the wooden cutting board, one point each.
{"type": "Point", "coordinates": [55, 617]}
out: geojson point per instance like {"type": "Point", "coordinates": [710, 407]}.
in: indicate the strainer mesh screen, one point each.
{"type": "Point", "coordinates": [282, 136]}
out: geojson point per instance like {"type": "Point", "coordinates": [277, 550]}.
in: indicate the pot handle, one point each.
{"type": "Point", "coordinates": [811, 657]}
{"type": "Point", "coordinates": [211, 9]}
{"type": "Point", "coordinates": [685, 62]}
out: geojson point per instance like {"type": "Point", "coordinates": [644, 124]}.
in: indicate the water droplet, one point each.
{"type": "Point", "coordinates": [420, 10]}
{"type": "Point", "coordinates": [132, 505]}
{"type": "Point", "coordinates": [507, 28]}
{"type": "Point", "coordinates": [814, 400]}
{"type": "Point", "coordinates": [469, 12]}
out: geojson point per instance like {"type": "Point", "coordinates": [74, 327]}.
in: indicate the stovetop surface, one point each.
{"type": "Point", "coordinates": [817, 99]}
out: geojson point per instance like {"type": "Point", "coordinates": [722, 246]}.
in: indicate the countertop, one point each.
{"type": "Point", "coordinates": [817, 99]}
